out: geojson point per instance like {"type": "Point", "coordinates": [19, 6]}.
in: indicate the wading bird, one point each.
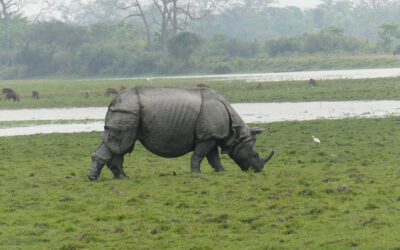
{"type": "Point", "coordinates": [316, 139]}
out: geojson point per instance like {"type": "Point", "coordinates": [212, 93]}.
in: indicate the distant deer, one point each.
{"type": "Point", "coordinates": [87, 94]}
{"type": "Point", "coordinates": [202, 85]}
{"type": "Point", "coordinates": [111, 91]}
{"type": "Point", "coordinates": [312, 82]}
{"type": "Point", "coordinates": [123, 87]}
{"type": "Point", "coordinates": [12, 95]}
{"type": "Point", "coordinates": [7, 90]}
{"type": "Point", "coordinates": [260, 86]}
{"type": "Point", "coordinates": [35, 95]}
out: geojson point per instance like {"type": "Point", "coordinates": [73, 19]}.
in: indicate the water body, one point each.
{"type": "Point", "coordinates": [43, 114]}
{"type": "Point", "coordinates": [250, 112]}
{"type": "Point", "coordinates": [289, 76]}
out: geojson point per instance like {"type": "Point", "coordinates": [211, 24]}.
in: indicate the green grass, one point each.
{"type": "Point", "coordinates": [70, 93]}
{"type": "Point", "coordinates": [305, 63]}
{"type": "Point", "coordinates": [339, 194]}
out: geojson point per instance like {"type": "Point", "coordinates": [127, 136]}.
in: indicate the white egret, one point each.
{"type": "Point", "coordinates": [316, 139]}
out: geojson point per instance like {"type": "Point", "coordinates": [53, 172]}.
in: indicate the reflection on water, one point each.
{"type": "Point", "coordinates": [250, 112]}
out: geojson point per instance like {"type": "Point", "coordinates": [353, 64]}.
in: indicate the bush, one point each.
{"type": "Point", "coordinates": [93, 59]}
{"type": "Point", "coordinates": [14, 72]}
{"type": "Point", "coordinates": [183, 45]}
{"type": "Point", "coordinates": [64, 60]}
{"type": "Point", "coordinates": [329, 40]}
{"type": "Point", "coordinates": [144, 63]}
{"type": "Point", "coordinates": [222, 69]}
{"type": "Point", "coordinates": [37, 58]}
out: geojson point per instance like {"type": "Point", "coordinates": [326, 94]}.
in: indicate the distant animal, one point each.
{"type": "Point", "coordinates": [7, 90]}
{"type": "Point", "coordinates": [111, 91]}
{"type": "Point", "coordinates": [87, 94]}
{"type": "Point", "coordinates": [12, 95]}
{"type": "Point", "coordinates": [171, 122]}
{"type": "Point", "coordinates": [312, 82]}
{"type": "Point", "coordinates": [260, 86]}
{"type": "Point", "coordinates": [202, 85]}
{"type": "Point", "coordinates": [316, 140]}
{"type": "Point", "coordinates": [123, 87]}
{"type": "Point", "coordinates": [35, 94]}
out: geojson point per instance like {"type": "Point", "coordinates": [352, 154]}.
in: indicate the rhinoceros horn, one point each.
{"type": "Point", "coordinates": [263, 161]}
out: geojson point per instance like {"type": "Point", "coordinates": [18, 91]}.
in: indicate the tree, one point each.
{"type": "Point", "coordinates": [375, 4]}
{"type": "Point", "coordinates": [183, 45]}
{"type": "Point", "coordinates": [163, 9]}
{"type": "Point", "coordinates": [178, 13]}
{"type": "Point", "coordinates": [333, 30]}
{"type": "Point", "coordinates": [185, 11]}
{"type": "Point", "coordinates": [388, 33]}
{"type": "Point", "coordinates": [256, 5]}
{"type": "Point", "coordinates": [45, 7]}
{"type": "Point", "coordinates": [8, 9]}
{"type": "Point", "coordinates": [125, 10]}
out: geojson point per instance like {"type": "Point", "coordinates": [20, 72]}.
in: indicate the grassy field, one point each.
{"type": "Point", "coordinates": [342, 193]}
{"type": "Point", "coordinates": [70, 93]}
{"type": "Point", "coordinates": [307, 63]}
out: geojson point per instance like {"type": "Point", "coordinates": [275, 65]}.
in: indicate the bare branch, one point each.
{"type": "Point", "coordinates": [129, 16]}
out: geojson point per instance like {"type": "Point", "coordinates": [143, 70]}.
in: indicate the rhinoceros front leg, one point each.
{"type": "Point", "coordinates": [200, 151]}
{"type": "Point", "coordinates": [94, 172]}
{"type": "Point", "coordinates": [116, 166]}
{"type": "Point", "coordinates": [214, 160]}
{"type": "Point", "coordinates": [100, 157]}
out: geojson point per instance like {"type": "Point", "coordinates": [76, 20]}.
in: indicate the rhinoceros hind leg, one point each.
{"type": "Point", "coordinates": [200, 151]}
{"type": "Point", "coordinates": [214, 160]}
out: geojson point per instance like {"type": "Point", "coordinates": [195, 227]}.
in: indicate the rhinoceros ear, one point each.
{"type": "Point", "coordinates": [256, 131]}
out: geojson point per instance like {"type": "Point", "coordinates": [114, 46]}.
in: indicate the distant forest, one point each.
{"type": "Point", "coordinates": [103, 40]}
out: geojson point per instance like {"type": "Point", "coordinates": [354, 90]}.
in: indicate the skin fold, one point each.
{"type": "Point", "coordinates": [171, 122]}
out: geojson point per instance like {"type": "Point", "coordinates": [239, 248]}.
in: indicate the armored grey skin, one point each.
{"type": "Point", "coordinates": [171, 122]}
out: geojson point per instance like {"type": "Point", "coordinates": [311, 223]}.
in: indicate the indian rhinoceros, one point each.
{"type": "Point", "coordinates": [171, 122]}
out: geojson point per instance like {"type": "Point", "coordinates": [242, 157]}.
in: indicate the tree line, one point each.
{"type": "Point", "coordinates": [173, 43]}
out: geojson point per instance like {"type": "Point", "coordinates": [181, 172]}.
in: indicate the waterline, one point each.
{"type": "Point", "coordinates": [250, 113]}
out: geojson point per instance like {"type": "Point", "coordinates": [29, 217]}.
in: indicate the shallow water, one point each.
{"type": "Point", "coordinates": [52, 128]}
{"type": "Point", "coordinates": [289, 76]}
{"type": "Point", "coordinates": [250, 112]}
{"type": "Point", "coordinates": [52, 114]}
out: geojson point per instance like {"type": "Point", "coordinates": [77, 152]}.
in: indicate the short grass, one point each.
{"type": "Point", "coordinates": [307, 63]}
{"type": "Point", "coordinates": [342, 193]}
{"type": "Point", "coordinates": [66, 93]}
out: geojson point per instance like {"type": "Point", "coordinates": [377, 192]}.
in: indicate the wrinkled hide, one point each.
{"type": "Point", "coordinates": [171, 122]}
